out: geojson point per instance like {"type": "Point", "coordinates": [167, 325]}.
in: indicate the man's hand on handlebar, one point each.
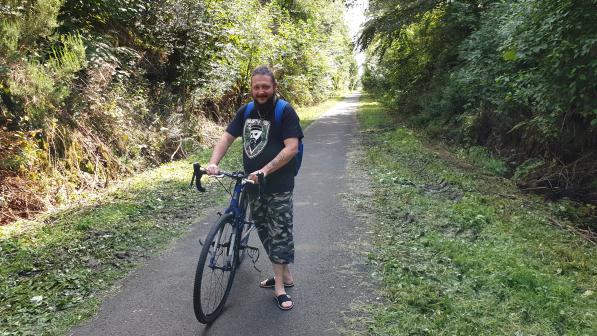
{"type": "Point", "coordinates": [254, 176]}
{"type": "Point", "coordinates": [213, 169]}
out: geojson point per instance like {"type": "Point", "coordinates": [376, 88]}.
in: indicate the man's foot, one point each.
{"type": "Point", "coordinates": [270, 283]}
{"type": "Point", "coordinates": [284, 302]}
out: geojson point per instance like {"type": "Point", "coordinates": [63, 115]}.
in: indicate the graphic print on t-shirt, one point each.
{"type": "Point", "coordinates": [255, 136]}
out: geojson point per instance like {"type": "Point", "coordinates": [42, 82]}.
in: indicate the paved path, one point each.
{"type": "Point", "coordinates": [157, 298]}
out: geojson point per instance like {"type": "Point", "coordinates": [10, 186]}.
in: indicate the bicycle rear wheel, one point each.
{"type": "Point", "coordinates": [215, 270]}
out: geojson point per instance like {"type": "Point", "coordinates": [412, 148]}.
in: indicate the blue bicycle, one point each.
{"type": "Point", "coordinates": [224, 248]}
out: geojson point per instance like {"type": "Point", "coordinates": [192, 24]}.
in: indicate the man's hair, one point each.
{"type": "Point", "coordinates": [264, 70]}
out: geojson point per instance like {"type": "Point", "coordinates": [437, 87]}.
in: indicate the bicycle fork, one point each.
{"type": "Point", "coordinates": [229, 248]}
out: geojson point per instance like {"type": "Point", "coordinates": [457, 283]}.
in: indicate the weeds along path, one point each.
{"type": "Point", "coordinates": [54, 269]}
{"type": "Point", "coordinates": [463, 252]}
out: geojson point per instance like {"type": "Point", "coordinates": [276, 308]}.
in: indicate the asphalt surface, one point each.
{"type": "Point", "coordinates": [157, 298]}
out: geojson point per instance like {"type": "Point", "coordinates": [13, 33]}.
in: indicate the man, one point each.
{"type": "Point", "coordinates": [269, 148]}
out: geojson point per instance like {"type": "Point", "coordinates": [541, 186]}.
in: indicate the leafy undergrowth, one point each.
{"type": "Point", "coordinates": [53, 270]}
{"type": "Point", "coordinates": [462, 251]}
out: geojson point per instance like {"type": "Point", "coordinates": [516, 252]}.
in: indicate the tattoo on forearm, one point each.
{"type": "Point", "coordinates": [281, 159]}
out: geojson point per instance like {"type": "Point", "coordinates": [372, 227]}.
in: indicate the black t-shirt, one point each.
{"type": "Point", "coordinates": [263, 139]}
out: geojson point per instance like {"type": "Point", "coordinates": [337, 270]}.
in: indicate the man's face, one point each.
{"type": "Point", "coordinates": [262, 88]}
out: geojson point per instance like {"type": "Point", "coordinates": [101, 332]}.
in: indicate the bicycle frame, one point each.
{"type": "Point", "coordinates": [234, 208]}
{"type": "Point", "coordinates": [239, 221]}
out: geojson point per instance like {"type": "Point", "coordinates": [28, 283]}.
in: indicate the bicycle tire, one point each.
{"type": "Point", "coordinates": [209, 296]}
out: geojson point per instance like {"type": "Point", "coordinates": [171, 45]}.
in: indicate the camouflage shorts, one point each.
{"type": "Point", "coordinates": [272, 215]}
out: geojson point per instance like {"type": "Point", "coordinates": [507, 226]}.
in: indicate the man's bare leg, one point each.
{"type": "Point", "coordinates": [282, 275]}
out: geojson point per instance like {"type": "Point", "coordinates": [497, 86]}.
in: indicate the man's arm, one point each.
{"type": "Point", "coordinates": [219, 150]}
{"type": "Point", "coordinates": [286, 154]}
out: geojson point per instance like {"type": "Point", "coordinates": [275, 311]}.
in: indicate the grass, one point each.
{"type": "Point", "coordinates": [461, 251]}
{"type": "Point", "coordinates": [54, 270]}
{"type": "Point", "coordinates": [480, 157]}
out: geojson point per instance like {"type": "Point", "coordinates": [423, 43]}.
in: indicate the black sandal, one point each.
{"type": "Point", "coordinates": [284, 298]}
{"type": "Point", "coordinates": [271, 282]}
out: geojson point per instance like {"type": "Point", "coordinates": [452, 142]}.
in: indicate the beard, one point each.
{"type": "Point", "coordinates": [268, 105]}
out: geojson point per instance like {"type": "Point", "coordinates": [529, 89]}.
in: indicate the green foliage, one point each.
{"type": "Point", "coordinates": [40, 91]}
{"type": "Point", "coordinates": [66, 61]}
{"type": "Point", "coordinates": [482, 158]}
{"type": "Point", "coordinates": [114, 86]}
{"type": "Point", "coordinates": [527, 168]}
{"type": "Point", "coordinates": [515, 76]}
{"type": "Point", "coordinates": [24, 24]}
{"type": "Point", "coordinates": [302, 46]}
{"type": "Point", "coordinates": [471, 254]}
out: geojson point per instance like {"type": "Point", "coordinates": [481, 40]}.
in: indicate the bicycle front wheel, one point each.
{"type": "Point", "coordinates": [215, 270]}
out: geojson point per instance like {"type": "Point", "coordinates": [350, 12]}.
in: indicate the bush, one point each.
{"type": "Point", "coordinates": [93, 90]}
{"type": "Point", "coordinates": [512, 76]}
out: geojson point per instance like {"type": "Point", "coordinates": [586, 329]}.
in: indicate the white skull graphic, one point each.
{"type": "Point", "coordinates": [256, 135]}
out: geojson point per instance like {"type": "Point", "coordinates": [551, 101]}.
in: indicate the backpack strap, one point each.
{"type": "Point", "coordinates": [279, 111]}
{"type": "Point", "coordinates": [248, 110]}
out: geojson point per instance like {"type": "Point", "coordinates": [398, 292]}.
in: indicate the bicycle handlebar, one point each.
{"type": "Point", "coordinates": [198, 172]}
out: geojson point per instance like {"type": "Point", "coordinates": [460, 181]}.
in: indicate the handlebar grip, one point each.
{"type": "Point", "coordinates": [197, 174]}
{"type": "Point", "coordinates": [261, 179]}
